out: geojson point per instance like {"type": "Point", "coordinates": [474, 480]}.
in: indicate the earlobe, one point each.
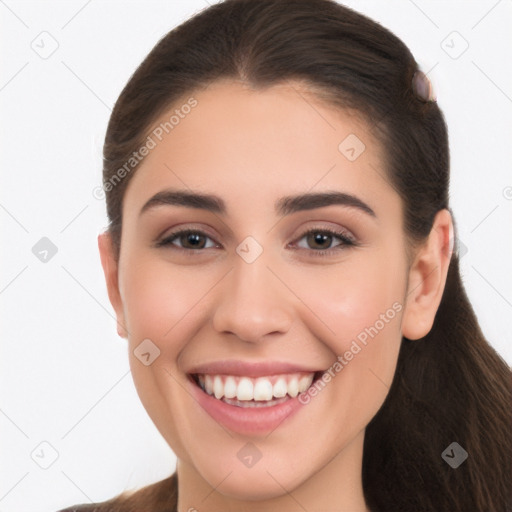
{"type": "Point", "coordinates": [110, 269]}
{"type": "Point", "coordinates": [427, 278]}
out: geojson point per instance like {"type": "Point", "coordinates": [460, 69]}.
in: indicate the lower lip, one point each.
{"type": "Point", "coordinates": [245, 420]}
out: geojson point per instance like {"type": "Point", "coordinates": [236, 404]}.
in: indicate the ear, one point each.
{"type": "Point", "coordinates": [110, 269]}
{"type": "Point", "coordinates": [427, 278]}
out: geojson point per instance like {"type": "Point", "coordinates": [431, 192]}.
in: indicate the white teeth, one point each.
{"type": "Point", "coordinates": [218, 387]}
{"type": "Point", "coordinates": [208, 384]}
{"type": "Point", "coordinates": [245, 389]}
{"type": "Point", "coordinates": [263, 390]}
{"type": "Point", "coordinates": [230, 387]}
{"type": "Point", "coordinates": [293, 387]}
{"type": "Point", "coordinates": [233, 388]}
{"type": "Point", "coordinates": [305, 382]}
{"type": "Point", "coordinates": [280, 388]}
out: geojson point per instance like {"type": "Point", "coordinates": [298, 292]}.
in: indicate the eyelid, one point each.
{"type": "Point", "coordinates": [347, 240]}
{"type": "Point", "coordinates": [334, 229]}
{"type": "Point", "coordinates": [186, 227]}
{"type": "Point", "coordinates": [166, 240]}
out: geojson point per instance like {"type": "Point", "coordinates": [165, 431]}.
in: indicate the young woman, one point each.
{"type": "Point", "coordinates": [279, 257]}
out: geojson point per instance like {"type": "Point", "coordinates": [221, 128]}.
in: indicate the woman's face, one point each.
{"type": "Point", "coordinates": [252, 295]}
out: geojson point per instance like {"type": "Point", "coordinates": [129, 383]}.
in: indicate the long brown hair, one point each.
{"type": "Point", "coordinates": [451, 385]}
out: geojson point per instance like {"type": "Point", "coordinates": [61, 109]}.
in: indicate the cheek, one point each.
{"type": "Point", "coordinates": [161, 302]}
{"type": "Point", "coordinates": [357, 313]}
{"type": "Point", "coordinates": [347, 300]}
{"type": "Point", "coordinates": [162, 306]}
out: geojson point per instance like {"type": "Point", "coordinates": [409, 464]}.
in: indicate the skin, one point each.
{"type": "Point", "coordinates": [251, 147]}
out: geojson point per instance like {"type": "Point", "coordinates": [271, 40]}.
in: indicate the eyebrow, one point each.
{"type": "Point", "coordinates": [283, 206]}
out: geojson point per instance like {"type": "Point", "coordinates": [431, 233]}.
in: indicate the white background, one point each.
{"type": "Point", "coordinates": [64, 370]}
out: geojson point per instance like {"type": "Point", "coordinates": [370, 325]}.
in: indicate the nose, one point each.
{"type": "Point", "coordinates": [253, 302]}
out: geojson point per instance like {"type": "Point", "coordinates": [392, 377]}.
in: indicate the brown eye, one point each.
{"type": "Point", "coordinates": [196, 240]}
{"type": "Point", "coordinates": [319, 241]}
{"type": "Point", "coordinates": [188, 239]}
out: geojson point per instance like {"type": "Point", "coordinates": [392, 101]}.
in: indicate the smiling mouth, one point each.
{"type": "Point", "coordinates": [265, 391]}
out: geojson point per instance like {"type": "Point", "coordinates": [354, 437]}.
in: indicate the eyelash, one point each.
{"type": "Point", "coordinates": [346, 241]}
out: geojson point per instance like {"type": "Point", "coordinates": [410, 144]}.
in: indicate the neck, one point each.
{"type": "Point", "coordinates": [336, 487]}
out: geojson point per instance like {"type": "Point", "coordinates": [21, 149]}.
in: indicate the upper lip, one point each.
{"type": "Point", "coordinates": [250, 368]}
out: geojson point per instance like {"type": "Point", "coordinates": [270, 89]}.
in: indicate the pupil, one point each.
{"type": "Point", "coordinates": [320, 238]}
{"type": "Point", "coordinates": [193, 238]}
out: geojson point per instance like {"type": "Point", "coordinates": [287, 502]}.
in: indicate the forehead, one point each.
{"type": "Point", "coordinates": [258, 144]}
